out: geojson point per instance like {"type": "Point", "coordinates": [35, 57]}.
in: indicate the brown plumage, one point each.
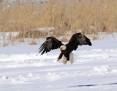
{"type": "Point", "coordinates": [52, 43]}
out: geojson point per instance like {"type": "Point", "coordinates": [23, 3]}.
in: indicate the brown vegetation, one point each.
{"type": "Point", "coordinates": [67, 16]}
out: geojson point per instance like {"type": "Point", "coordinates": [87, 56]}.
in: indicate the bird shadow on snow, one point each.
{"type": "Point", "coordinates": [93, 85]}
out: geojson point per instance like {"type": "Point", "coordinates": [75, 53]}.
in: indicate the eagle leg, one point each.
{"type": "Point", "coordinates": [60, 56]}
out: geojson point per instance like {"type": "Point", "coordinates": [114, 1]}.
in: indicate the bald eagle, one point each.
{"type": "Point", "coordinates": [52, 43]}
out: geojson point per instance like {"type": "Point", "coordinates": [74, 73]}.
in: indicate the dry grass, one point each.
{"type": "Point", "coordinates": [67, 16]}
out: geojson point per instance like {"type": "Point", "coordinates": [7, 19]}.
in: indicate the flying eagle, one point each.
{"type": "Point", "coordinates": [52, 43]}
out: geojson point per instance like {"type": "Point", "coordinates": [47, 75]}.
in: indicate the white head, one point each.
{"type": "Point", "coordinates": [63, 47]}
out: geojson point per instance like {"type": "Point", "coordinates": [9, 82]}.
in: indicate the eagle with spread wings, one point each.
{"type": "Point", "coordinates": [52, 43]}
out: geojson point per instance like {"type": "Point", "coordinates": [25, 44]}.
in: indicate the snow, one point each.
{"type": "Point", "coordinates": [94, 68]}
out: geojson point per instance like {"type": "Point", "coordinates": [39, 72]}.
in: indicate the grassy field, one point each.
{"type": "Point", "coordinates": [67, 16]}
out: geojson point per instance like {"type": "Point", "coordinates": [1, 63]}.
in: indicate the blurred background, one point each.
{"type": "Point", "coordinates": [34, 19]}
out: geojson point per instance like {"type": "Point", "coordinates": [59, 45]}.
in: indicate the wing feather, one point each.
{"type": "Point", "coordinates": [51, 43]}
{"type": "Point", "coordinates": [76, 40]}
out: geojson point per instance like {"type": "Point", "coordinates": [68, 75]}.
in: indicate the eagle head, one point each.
{"type": "Point", "coordinates": [63, 47]}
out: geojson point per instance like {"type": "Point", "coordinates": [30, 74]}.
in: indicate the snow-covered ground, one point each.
{"type": "Point", "coordinates": [94, 68]}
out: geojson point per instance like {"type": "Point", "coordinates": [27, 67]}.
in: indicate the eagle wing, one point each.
{"type": "Point", "coordinates": [49, 44]}
{"type": "Point", "coordinates": [83, 39]}
{"type": "Point", "coordinates": [78, 39]}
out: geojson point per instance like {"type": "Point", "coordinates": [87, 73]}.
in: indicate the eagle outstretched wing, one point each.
{"type": "Point", "coordinates": [78, 39]}
{"type": "Point", "coordinates": [50, 43]}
